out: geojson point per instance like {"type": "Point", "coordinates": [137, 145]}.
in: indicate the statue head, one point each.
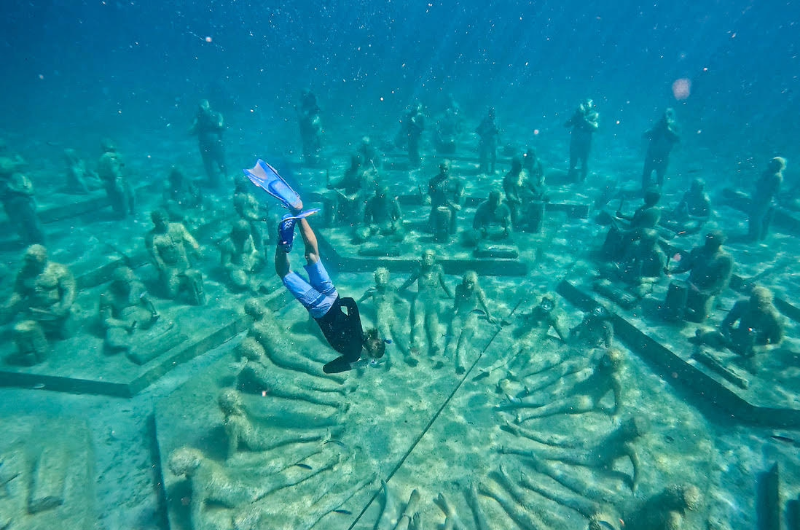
{"type": "Point", "coordinates": [530, 155]}
{"type": "Point", "coordinates": [777, 164]}
{"type": "Point", "coordinates": [35, 257]}
{"type": "Point", "coordinates": [600, 312]}
{"type": "Point", "coordinates": [185, 461]}
{"type": "Point", "coordinates": [613, 359]}
{"type": "Point", "coordinates": [470, 280]}
{"type": "Point", "coordinates": [203, 107]}
{"type": "Point", "coordinates": [251, 349]}
{"type": "Point", "coordinates": [230, 402]}
{"type": "Point", "coordinates": [547, 303]}
{"type": "Point", "coordinates": [122, 278]}
{"type": "Point", "coordinates": [586, 105]}
{"type": "Point", "coordinates": [761, 298]}
{"type": "Point", "coordinates": [107, 146]}
{"type": "Point", "coordinates": [374, 345]}
{"type": "Point", "coordinates": [175, 175]}
{"type": "Point", "coordinates": [255, 309]}
{"type": "Point", "coordinates": [714, 240]}
{"type": "Point", "coordinates": [160, 218]}
{"type": "Point", "coordinates": [669, 115]}
{"type": "Point", "coordinates": [381, 276]}
{"type": "Point", "coordinates": [495, 197]}
{"type": "Point", "coordinates": [636, 426]}
{"type": "Point", "coordinates": [491, 113]}
{"type": "Point", "coordinates": [71, 156]}
{"type": "Point", "coordinates": [698, 185]}
{"type": "Point", "coordinates": [444, 166]}
{"type": "Point", "coordinates": [428, 258]}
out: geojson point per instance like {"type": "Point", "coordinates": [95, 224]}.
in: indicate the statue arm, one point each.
{"type": "Point", "coordinates": [558, 326]}
{"type": "Point", "coordinates": [616, 387]}
{"type": "Point", "coordinates": [189, 239]}
{"type": "Point", "coordinates": [414, 277]}
{"type": "Point", "coordinates": [733, 316]}
{"type": "Point", "coordinates": [369, 293]}
{"type": "Point", "coordinates": [67, 289]}
{"type": "Point", "coordinates": [443, 283]}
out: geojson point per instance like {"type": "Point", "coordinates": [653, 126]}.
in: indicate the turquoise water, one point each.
{"type": "Point", "coordinates": [164, 377]}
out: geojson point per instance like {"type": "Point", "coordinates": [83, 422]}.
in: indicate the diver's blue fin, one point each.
{"type": "Point", "coordinates": [265, 177]}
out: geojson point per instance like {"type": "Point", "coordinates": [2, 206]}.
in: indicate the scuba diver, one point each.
{"type": "Point", "coordinates": [338, 318]}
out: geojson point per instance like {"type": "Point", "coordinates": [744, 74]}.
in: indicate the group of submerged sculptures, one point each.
{"type": "Point", "coordinates": [571, 380]}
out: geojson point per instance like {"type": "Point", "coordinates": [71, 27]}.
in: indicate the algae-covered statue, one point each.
{"type": "Point", "coordinates": [309, 117]}
{"type": "Point", "coordinates": [583, 124]}
{"type": "Point", "coordinates": [413, 126]}
{"type": "Point", "coordinates": [167, 245]}
{"type": "Point", "coordinates": [488, 132]}
{"type": "Point", "coordinates": [674, 508]}
{"type": "Point", "coordinates": [692, 211]}
{"type": "Point", "coordinates": [243, 433]}
{"type": "Point", "coordinates": [124, 307]}
{"type": "Point", "coordinates": [111, 170]}
{"type": "Point", "coordinates": [469, 299]}
{"type": "Point", "coordinates": [180, 195]}
{"type": "Point", "coordinates": [208, 126]}
{"type": "Point", "coordinates": [79, 179]}
{"type": "Point", "coordinates": [626, 229]}
{"type": "Point", "coordinates": [382, 217]}
{"type": "Point", "coordinates": [386, 299]}
{"type": "Point", "coordinates": [346, 205]}
{"type": "Point", "coordinates": [19, 203]}
{"type": "Point", "coordinates": [525, 194]}
{"type": "Point", "coordinates": [429, 278]}
{"type": "Point", "coordinates": [43, 295]}
{"type": "Point", "coordinates": [249, 210]}
{"type": "Point", "coordinates": [710, 269]}
{"type": "Point", "coordinates": [595, 330]}
{"type": "Point", "coordinates": [762, 202]}
{"type": "Point", "coordinates": [662, 138]}
{"type": "Point", "coordinates": [492, 221]}
{"type": "Point", "coordinates": [446, 194]}
{"type": "Point", "coordinates": [578, 393]}
{"type": "Point", "coordinates": [239, 257]}
{"type": "Point", "coordinates": [599, 453]}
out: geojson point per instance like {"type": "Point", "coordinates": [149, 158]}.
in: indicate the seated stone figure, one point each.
{"type": "Point", "coordinates": [19, 202]}
{"type": "Point", "coordinates": [581, 393]}
{"type": "Point", "coordinates": [239, 257]}
{"type": "Point", "coordinates": [446, 195]}
{"type": "Point", "coordinates": [249, 210]}
{"type": "Point", "coordinates": [124, 307]}
{"type": "Point", "coordinates": [387, 321]}
{"type": "Point", "coordinates": [599, 453]}
{"type": "Point", "coordinates": [469, 298]}
{"type": "Point", "coordinates": [180, 195]}
{"type": "Point", "coordinates": [691, 213]}
{"type": "Point", "coordinates": [348, 197]}
{"type": "Point", "coordinates": [710, 269]}
{"type": "Point", "coordinates": [492, 221]}
{"type": "Point", "coordinates": [625, 229]}
{"type": "Point", "coordinates": [382, 217]}
{"type": "Point", "coordinates": [42, 299]}
{"type": "Point", "coordinates": [241, 433]}
{"type": "Point", "coordinates": [595, 330]}
{"type": "Point", "coordinates": [643, 260]}
{"type": "Point", "coordinates": [674, 508]}
{"type": "Point", "coordinates": [166, 243]}
{"type": "Point", "coordinates": [525, 195]}
{"type": "Point", "coordinates": [79, 179]}
{"type": "Point", "coordinates": [752, 326]}
{"type": "Point", "coordinates": [111, 170]}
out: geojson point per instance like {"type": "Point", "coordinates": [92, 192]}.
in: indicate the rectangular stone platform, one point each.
{"type": "Point", "coordinates": [708, 386]}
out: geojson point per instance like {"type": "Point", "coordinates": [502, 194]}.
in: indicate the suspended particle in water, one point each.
{"type": "Point", "coordinates": [681, 88]}
{"type": "Point", "coordinates": [208, 39]}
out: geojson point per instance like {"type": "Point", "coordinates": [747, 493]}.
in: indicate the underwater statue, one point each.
{"type": "Point", "coordinates": [643, 260]}
{"type": "Point", "coordinates": [600, 453]}
{"type": "Point", "coordinates": [124, 308]}
{"type": "Point", "coordinates": [242, 434]}
{"type": "Point", "coordinates": [577, 393]}
{"type": "Point", "coordinates": [214, 488]}
{"type": "Point", "coordinates": [180, 195]}
{"type": "Point", "coordinates": [261, 377]}
{"type": "Point", "coordinates": [239, 257]}
{"type": "Point", "coordinates": [429, 278]}
{"type": "Point", "coordinates": [492, 221]}
{"type": "Point", "coordinates": [386, 299]}
{"type": "Point", "coordinates": [249, 210]}
{"type": "Point", "coordinates": [469, 300]}
{"type": "Point", "coordinates": [310, 120]}
{"type": "Point", "coordinates": [208, 126]}
{"type": "Point", "coordinates": [488, 132]}
{"type": "Point", "coordinates": [524, 197]}
{"type": "Point", "coordinates": [167, 245]}
{"type": "Point", "coordinates": [674, 508]}
{"type": "Point", "coordinates": [532, 164]}
{"type": "Point", "coordinates": [79, 179]}
{"type": "Point", "coordinates": [370, 156]}
{"type": "Point", "coordinates": [413, 125]}
{"type": "Point", "coordinates": [583, 124]}
{"type": "Point", "coordinates": [594, 331]}
{"type": "Point", "coordinates": [752, 326]}
{"type": "Point", "coordinates": [382, 217]}
{"type": "Point", "coordinates": [347, 203]}
{"type": "Point", "coordinates": [19, 203]}
{"type": "Point", "coordinates": [692, 211]}
{"type": "Point", "coordinates": [710, 269]}
{"type": "Point", "coordinates": [662, 138]}
{"type": "Point", "coordinates": [110, 169]}
{"type": "Point", "coordinates": [446, 193]}
{"type": "Point", "coordinates": [42, 301]}
{"type": "Point", "coordinates": [448, 128]}
{"type": "Point", "coordinates": [625, 229]}
{"type": "Point", "coordinates": [762, 204]}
